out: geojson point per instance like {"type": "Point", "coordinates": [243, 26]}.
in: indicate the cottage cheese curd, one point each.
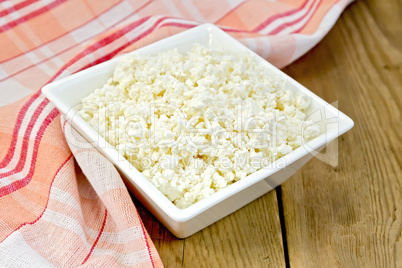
{"type": "Point", "coordinates": [195, 123]}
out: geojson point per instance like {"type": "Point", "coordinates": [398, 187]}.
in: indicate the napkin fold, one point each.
{"type": "Point", "coordinates": [61, 202]}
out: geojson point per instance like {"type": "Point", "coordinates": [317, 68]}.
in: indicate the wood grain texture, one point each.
{"type": "Point", "coordinates": [250, 237]}
{"type": "Point", "coordinates": [351, 215]}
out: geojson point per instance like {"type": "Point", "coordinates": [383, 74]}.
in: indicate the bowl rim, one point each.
{"type": "Point", "coordinates": [159, 199]}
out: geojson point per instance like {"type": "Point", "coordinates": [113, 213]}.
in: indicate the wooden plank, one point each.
{"type": "Point", "coordinates": [250, 237]}
{"type": "Point", "coordinates": [387, 16]}
{"type": "Point", "coordinates": [351, 215]}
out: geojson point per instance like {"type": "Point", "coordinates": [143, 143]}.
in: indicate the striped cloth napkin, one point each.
{"type": "Point", "coordinates": [64, 205]}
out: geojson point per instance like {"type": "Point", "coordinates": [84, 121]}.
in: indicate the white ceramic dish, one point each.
{"type": "Point", "coordinates": [66, 94]}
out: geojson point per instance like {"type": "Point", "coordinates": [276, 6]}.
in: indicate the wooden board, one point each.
{"type": "Point", "coordinates": [351, 215]}
{"type": "Point", "coordinates": [250, 237]}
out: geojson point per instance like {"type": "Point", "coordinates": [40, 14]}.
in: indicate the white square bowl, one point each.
{"type": "Point", "coordinates": [67, 93]}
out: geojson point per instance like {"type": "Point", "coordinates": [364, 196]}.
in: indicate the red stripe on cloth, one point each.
{"type": "Point", "coordinates": [41, 45]}
{"type": "Point", "coordinates": [144, 232]}
{"type": "Point", "coordinates": [114, 52]}
{"type": "Point", "coordinates": [228, 29]}
{"type": "Point", "coordinates": [16, 7]}
{"type": "Point", "coordinates": [138, 38]}
{"type": "Point", "coordinates": [288, 24]}
{"type": "Point", "coordinates": [31, 15]}
{"type": "Point", "coordinates": [47, 203]}
{"type": "Point", "coordinates": [26, 139]}
{"type": "Point", "coordinates": [97, 238]}
{"type": "Point", "coordinates": [20, 118]}
{"type": "Point", "coordinates": [98, 45]}
{"type": "Point", "coordinates": [66, 49]}
{"type": "Point", "coordinates": [277, 16]}
{"type": "Point", "coordinates": [16, 185]}
{"type": "Point", "coordinates": [64, 125]}
{"type": "Point", "coordinates": [304, 25]}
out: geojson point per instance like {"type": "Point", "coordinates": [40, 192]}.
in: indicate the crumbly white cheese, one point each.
{"type": "Point", "coordinates": [195, 123]}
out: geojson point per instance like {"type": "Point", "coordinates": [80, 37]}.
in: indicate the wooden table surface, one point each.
{"type": "Point", "coordinates": [324, 216]}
